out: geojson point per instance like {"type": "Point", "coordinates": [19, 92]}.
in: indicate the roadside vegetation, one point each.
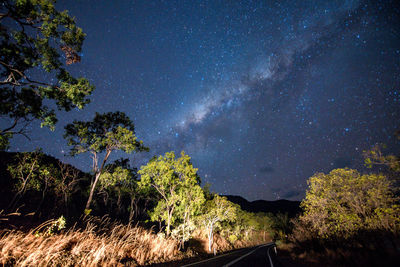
{"type": "Point", "coordinates": [349, 218]}
{"type": "Point", "coordinates": [52, 214]}
{"type": "Point", "coordinates": [157, 214]}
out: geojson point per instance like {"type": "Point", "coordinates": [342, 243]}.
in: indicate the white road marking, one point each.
{"type": "Point", "coordinates": [269, 257]}
{"type": "Point", "coordinates": [232, 262]}
{"type": "Point", "coordinates": [216, 257]}
{"type": "Point", "coordinates": [238, 259]}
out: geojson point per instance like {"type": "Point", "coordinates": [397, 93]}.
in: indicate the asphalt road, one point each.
{"type": "Point", "coordinates": [263, 255]}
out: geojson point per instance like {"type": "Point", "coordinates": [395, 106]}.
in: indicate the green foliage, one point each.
{"type": "Point", "coordinates": [105, 133]}
{"type": "Point", "coordinates": [57, 226]}
{"type": "Point", "coordinates": [345, 202]}
{"type": "Point", "coordinates": [5, 140]}
{"type": "Point", "coordinates": [191, 200]}
{"type": "Point", "coordinates": [281, 226]}
{"type": "Point", "coordinates": [374, 156]}
{"type": "Point", "coordinates": [34, 35]}
{"type": "Point", "coordinates": [177, 185]}
{"type": "Point", "coordinates": [32, 173]}
{"type": "Point", "coordinates": [120, 180]}
{"type": "Point", "coordinates": [26, 171]}
{"type": "Point", "coordinates": [50, 227]}
{"type": "Point", "coordinates": [87, 212]}
{"type": "Point", "coordinates": [217, 210]}
{"type": "Point", "coordinates": [183, 231]}
{"type": "Point", "coordinates": [118, 177]}
{"type": "Point", "coordinates": [246, 225]}
{"type": "Point", "coordinates": [232, 238]}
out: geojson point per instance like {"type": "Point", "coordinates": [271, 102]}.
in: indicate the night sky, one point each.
{"type": "Point", "coordinates": [260, 94]}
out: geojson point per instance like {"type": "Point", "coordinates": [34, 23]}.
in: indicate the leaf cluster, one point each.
{"type": "Point", "coordinates": [345, 202]}
{"type": "Point", "coordinates": [375, 157]}
{"type": "Point", "coordinates": [177, 185]}
{"type": "Point", "coordinates": [106, 132]}
{"type": "Point", "coordinates": [35, 39]}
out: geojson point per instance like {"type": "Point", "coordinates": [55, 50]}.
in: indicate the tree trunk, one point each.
{"type": "Point", "coordinates": [119, 204]}
{"type": "Point", "coordinates": [168, 223]}
{"type": "Point", "coordinates": [98, 173]}
{"type": "Point", "coordinates": [210, 238]}
{"type": "Point", "coordinates": [17, 197]}
{"type": "Point", "coordinates": [66, 204]}
{"type": "Point", "coordinates": [92, 191]}
{"type": "Point", "coordinates": [42, 200]}
{"type": "Point", "coordinates": [131, 211]}
{"type": "Point", "coordinates": [14, 201]}
{"type": "Point", "coordinates": [137, 212]}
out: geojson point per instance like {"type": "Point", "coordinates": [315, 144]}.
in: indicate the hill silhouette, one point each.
{"type": "Point", "coordinates": [277, 206]}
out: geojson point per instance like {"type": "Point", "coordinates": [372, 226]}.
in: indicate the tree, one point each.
{"type": "Point", "coordinates": [33, 172]}
{"type": "Point", "coordinates": [375, 156]}
{"type": "Point", "coordinates": [171, 177]}
{"type": "Point", "coordinates": [344, 202]}
{"type": "Point", "coordinates": [245, 223]}
{"type": "Point", "coordinates": [34, 39]}
{"type": "Point", "coordinates": [105, 133]}
{"type": "Point", "coordinates": [25, 171]}
{"type": "Point", "coordinates": [67, 183]}
{"type": "Point", "coordinates": [121, 178]}
{"type": "Point", "coordinates": [191, 201]}
{"type": "Point", "coordinates": [217, 210]}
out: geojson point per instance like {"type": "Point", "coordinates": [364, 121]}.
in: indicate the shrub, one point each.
{"type": "Point", "coordinates": [344, 203]}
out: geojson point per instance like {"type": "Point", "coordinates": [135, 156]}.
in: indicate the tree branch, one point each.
{"type": "Point", "coordinates": [22, 74]}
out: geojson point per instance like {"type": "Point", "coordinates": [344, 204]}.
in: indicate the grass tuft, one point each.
{"type": "Point", "coordinates": [98, 242]}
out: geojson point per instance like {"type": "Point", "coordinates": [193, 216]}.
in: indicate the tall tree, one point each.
{"type": "Point", "coordinates": [191, 202]}
{"type": "Point", "coordinates": [169, 176]}
{"type": "Point", "coordinates": [35, 38]}
{"type": "Point", "coordinates": [216, 210]}
{"type": "Point", "coordinates": [104, 134]}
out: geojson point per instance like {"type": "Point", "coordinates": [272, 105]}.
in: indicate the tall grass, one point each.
{"type": "Point", "coordinates": [98, 242]}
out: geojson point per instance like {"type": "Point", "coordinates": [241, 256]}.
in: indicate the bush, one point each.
{"type": "Point", "coordinates": [344, 203]}
{"type": "Point", "coordinates": [232, 239]}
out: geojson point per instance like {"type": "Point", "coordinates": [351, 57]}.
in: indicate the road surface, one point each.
{"type": "Point", "coordinates": [263, 255]}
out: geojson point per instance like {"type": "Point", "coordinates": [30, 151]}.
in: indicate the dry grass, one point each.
{"type": "Point", "coordinates": [99, 243]}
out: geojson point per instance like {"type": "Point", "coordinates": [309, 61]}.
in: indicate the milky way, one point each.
{"type": "Point", "coordinates": [260, 94]}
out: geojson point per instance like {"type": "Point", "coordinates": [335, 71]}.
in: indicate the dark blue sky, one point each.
{"type": "Point", "coordinates": [260, 94]}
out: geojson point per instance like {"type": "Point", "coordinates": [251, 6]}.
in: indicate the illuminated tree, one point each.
{"type": "Point", "coordinates": [217, 210]}
{"type": "Point", "coordinates": [176, 183]}
{"type": "Point", "coordinates": [105, 133]}
{"type": "Point", "coordinates": [25, 173]}
{"type": "Point", "coordinates": [375, 156]}
{"type": "Point", "coordinates": [344, 202]}
{"type": "Point", "coordinates": [191, 201]}
{"type": "Point", "coordinates": [34, 40]}
{"type": "Point", "coordinates": [32, 172]}
{"type": "Point", "coordinates": [120, 178]}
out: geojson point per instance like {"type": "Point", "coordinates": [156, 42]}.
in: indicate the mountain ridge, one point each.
{"type": "Point", "coordinates": [275, 206]}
